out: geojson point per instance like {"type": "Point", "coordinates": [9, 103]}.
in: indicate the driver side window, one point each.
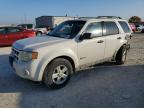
{"type": "Point", "coordinates": [95, 29]}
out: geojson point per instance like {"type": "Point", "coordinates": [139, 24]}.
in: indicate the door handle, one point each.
{"type": "Point", "coordinates": [100, 41]}
{"type": "Point", "coordinates": [119, 38]}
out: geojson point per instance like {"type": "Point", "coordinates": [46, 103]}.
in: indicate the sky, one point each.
{"type": "Point", "coordinates": [25, 11]}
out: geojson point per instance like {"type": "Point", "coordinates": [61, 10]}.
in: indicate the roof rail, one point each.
{"type": "Point", "coordinates": [113, 17]}
{"type": "Point", "coordinates": [87, 17]}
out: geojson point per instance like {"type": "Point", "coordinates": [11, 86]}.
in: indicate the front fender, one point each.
{"type": "Point", "coordinates": [51, 56]}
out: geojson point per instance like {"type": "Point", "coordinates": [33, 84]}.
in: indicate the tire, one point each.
{"type": "Point", "coordinates": [140, 31]}
{"type": "Point", "coordinates": [38, 33]}
{"type": "Point", "coordinates": [121, 55]}
{"type": "Point", "coordinates": [57, 73]}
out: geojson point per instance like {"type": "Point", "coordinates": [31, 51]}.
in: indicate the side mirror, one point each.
{"type": "Point", "coordinates": [85, 36]}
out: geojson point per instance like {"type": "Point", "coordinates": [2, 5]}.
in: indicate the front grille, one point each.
{"type": "Point", "coordinates": [15, 53]}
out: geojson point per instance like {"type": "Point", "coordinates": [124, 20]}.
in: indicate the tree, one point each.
{"type": "Point", "coordinates": [135, 19]}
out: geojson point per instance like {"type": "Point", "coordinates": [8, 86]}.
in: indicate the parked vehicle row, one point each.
{"type": "Point", "coordinates": [41, 30]}
{"type": "Point", "coordinates": [140, 27]}
{"type": "Point", "coordinates": [133, 27]}
{"type": "Point", "coordinates": [8, 35]}
{"type": "Point", "coordinates": [69, 47]}
{"type": "Point", "coordinates": [137, 27]}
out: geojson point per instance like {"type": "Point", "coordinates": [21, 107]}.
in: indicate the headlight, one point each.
{"type": "Point", "coordinates": [28, 56]}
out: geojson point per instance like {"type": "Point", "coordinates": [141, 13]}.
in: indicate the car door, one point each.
{"type": "Point", "coordinates": [112, 36]}
{"type": "Point", "coordinates": [3, 40]}
{"type": "Point", "coordinates": [13, 34]}
{"type": "Point", "coordinates": [92, 50]}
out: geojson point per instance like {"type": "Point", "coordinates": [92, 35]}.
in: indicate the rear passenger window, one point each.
{"type": "Point", "coordinates": [13, 30]}
{"type": "Point", "coordinates": [111, 28]}
{"type": "Point", "coordinates": [95, 29]}
{"type": "Point", "coordinates": [125, 26]}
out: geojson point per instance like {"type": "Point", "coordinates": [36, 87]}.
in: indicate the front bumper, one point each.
{"type": "Point", "coordinates": [24, 70]}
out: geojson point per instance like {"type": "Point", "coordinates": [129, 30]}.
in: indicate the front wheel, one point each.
{"type": "Point", "coordinates": [121, 55]}
{"type": "Point", "coordinates": [57, 73]}
{"type": "Point", "coordinates": [142, 31]}
{"type": "Point", "coordinates": [39, 33]}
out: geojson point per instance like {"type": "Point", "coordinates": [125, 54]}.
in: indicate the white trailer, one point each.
{"type": "Point", "coordinates": [51, 21]}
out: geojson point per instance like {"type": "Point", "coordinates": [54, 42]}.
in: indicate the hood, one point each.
{"type": "Point", "coordinates": [37, 42]}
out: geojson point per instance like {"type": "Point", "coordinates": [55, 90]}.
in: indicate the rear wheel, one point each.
{"type": "Point", "coordinates": [57, 73]}
{"type": "Point", "coordinates": [121, 55]}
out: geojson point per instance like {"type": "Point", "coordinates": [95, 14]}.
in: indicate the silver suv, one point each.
{"type": "Point", "coordinates": [70, 46]}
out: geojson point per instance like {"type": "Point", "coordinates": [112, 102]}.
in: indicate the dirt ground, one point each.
{"type": "Point", "coordinates": [104, 86]}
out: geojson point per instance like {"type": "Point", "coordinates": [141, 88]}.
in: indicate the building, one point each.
{"type": "Point", "coordinates": [51, 21]}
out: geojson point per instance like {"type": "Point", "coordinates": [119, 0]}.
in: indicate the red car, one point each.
{"type": "Point", "coordinates": [133, 27]}
{"type": "Point", "coordinates": [8, 35]}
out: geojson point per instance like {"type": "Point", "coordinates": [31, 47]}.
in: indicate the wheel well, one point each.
{"type": "Point", "coordinates": [38, 32]}
{"type": "Point", "coordinates": [67, 58]}
{"type": "Point", "coordinates": [121, 46]}
{"type": "Point", "coordinates": [119, 50]}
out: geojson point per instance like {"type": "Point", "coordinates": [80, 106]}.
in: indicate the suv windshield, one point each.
{"type": "Point", "coordinates": [68, 29]}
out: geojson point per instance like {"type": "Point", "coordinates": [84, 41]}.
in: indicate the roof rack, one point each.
{"type": "Point", "coordinates": [87, 17]}
{"type": "Point", "coordinates": [112, 17]}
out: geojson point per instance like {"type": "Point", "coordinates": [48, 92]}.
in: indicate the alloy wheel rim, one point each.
{"type": "Point", "coordinates": [60, 74]}
{"type": "Point", "coordinates": [39, 34]}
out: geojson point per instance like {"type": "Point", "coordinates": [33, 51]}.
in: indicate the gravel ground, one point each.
{"type": "Point", "coordinates": [104, 86]}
